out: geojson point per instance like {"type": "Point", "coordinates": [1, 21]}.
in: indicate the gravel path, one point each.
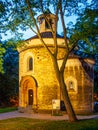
{"type": "Point", "coordinates": [40, 116]}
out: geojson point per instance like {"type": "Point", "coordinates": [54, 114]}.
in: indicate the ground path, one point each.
{"type": "Point", "coordinates": [40, 116]}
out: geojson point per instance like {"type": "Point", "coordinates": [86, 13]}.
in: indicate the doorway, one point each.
{"type": "Point", "coordinates": [30, 97]}
{"type": "Point", "coordinates": [28, 92]}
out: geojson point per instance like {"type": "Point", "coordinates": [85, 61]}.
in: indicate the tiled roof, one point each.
{"type": "Point", "coordinates": [46, 35]}
{"type": "Point", "coordinates": [72, 55]}
{"type": "Point", "coordinates": [85, 65]}
{"type": "Point", "coordinates": [87, 68]}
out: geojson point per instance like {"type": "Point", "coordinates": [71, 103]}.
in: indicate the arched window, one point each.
{"type": "Point", "coordinates": [47, 25]}
{"type": "Point", "coordinates": [30, 63]}
{"type": "Point", "coordinates": [71, 83]}
{"type": "Point", "coordinates": [71, 86]}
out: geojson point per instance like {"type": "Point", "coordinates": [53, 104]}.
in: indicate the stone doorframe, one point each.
{"type": "Point", "coordinates": [27, 83]}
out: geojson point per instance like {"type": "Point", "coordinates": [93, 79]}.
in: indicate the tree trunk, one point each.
{"type": "Point", "coordinates": [60, 78]}
{"type": "Point", "coordinates": [69, 108]}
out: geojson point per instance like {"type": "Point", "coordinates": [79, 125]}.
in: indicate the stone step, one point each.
{"type": "Point", "coordinates": [28, 109]}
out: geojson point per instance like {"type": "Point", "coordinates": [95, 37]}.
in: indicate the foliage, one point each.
{"type": "Point", "coordinates": [2, 51]}
{"type": "Point", "coordinates": [87, 29]}
{"type": "Point", "coordinates": [11, 58]}
{"type": "Point", "coordinates": [15, 15]}
{"type": "Point", "coordinates": [34, 124]}
{"type": "Point", "coordinates": [7, 90]}
{"type": "Point", "coordinates": [9, 79]}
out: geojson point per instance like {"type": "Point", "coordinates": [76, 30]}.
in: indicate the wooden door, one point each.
{"type": "Point", "coordinates": [30, 96]}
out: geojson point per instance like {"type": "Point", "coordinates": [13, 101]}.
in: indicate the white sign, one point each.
{"type": "Point", "coordinates": [56, 104]}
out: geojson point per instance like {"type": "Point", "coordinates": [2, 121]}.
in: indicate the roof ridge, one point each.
{"type": "Point", "coordinates": [47, 34]}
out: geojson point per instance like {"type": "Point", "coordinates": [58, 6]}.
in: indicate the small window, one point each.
{"type": "Point", "coordinates": [71, 86]}
{"type": "Point", "coordinates": [47, 25]}
{"type": "Point", "coordinates": [30, 64]}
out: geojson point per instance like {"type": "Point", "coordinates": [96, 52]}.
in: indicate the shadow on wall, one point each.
{"type": "Point", "coordinates": [96, 106]}
{"type": "Point", "coordinates": [62, 106]}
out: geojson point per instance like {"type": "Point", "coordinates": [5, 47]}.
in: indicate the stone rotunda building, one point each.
{"type": "Point", "coordinates": [37, 80]}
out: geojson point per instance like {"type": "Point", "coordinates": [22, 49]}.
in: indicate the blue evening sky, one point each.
{"type": "Point", "coordinates": [27, 34]}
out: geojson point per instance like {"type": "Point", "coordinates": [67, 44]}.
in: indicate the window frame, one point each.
{"type": "Point", "coordinates": [30, 66]}
{"type": "Point", "coordinates": [74, 82]}
{"type": "Point", "coordinates": [71, 86]}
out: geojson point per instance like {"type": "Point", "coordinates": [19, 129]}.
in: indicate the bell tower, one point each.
{"type": "Point", "coordinates": [46, 22]}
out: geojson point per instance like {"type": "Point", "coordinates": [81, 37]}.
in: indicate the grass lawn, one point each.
{"type": "Point", "coordinates": [34, 124]}
{"type": "Point", "coordinates": [7, 109]}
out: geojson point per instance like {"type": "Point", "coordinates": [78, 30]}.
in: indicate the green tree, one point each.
{"type": "Point", "coordinates": [7, 90]}
{"type": "Point", "coordinates": [87, 28]}
{"type": "Point", "coordinates": [9, 77]}
{"type": "Point", "coordinates": [22, 15]}
{"type": "Point", "coordinates": [2, 51]}
{"type": "Point", "coordinates": [10, 58]}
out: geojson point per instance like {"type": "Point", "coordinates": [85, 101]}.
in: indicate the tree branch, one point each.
{"type": "Point", "coordinates": [55, 31]}
{"type": "Point", "coordinates": [39, 35]}
{"type": "Point", "coordinates": [64, 62]}
{"type": "Point", "coordinates": [55, 28]}
{"type": "Point", "coordinates": [32, 29]}
{"type": "Point", "coordinates": [63, 24]}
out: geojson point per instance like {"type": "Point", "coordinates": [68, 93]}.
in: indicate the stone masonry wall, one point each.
{"type": "Point", "coordinates": [44, 74]}
{"type": "Point", "coordinates": [48, 88]}
{"type": "Point", "coordinates": [82, 98]}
